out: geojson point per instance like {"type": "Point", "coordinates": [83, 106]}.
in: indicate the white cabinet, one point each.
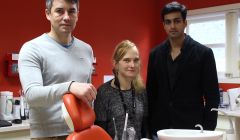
{"type": "Point", "coordinates": [223, 124]}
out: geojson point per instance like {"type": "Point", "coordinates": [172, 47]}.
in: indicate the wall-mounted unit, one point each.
{"type": "Point", "coordinates": [12, 64]}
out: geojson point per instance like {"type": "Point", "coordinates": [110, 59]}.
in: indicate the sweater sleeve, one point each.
{"type": "Point", "coordinates": [35, 92]}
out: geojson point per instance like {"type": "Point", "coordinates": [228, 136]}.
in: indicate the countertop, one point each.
{"type": "Point", "coordinates": [16, 127]}
{"type": "Point", "coordinates": [235, 113]}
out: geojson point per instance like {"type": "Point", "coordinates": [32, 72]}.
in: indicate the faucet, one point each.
{"type": "Point", "coordinates": [231, 130]}
{"type": "Point", "coordinates": [200, 126]}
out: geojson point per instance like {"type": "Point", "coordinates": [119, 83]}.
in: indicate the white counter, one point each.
{"type": "Point", "coordinates": [16, 127]}
{"type": "Point", "coordinates": [230, 113]}
{"type": "Point", "coordinates": [16, 131]}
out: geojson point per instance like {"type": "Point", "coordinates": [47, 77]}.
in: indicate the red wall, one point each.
{"type": "Point", "coordinates": [101, 23]}
{"type": "Point", "coordinates": [20, 21]}
{"type": "Point", "coordinates": [104, 24]}
{"type": "Point", "coordinates": [226, 86]}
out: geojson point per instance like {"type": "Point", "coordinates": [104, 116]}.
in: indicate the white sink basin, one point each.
{"type": "Point", "coordinates": [186, 134]}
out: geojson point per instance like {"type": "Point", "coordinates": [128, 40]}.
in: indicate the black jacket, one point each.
{"type": "Point", "coordinates": [195, 91]}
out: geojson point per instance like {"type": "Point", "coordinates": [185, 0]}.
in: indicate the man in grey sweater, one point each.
{"type": "Point", "coordinates": [52, 65]}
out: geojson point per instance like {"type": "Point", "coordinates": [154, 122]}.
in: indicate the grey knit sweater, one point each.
{"type": "Point", "coordinates": [46, 69]}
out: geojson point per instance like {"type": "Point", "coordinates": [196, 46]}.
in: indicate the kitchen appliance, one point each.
{"type": "Point", "coordinates": [6, 105]}
{"type": "Point", "coordinates": [234, 97]}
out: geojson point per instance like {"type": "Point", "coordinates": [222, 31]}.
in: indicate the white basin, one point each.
{"type": "Point", "coordinates": [187, 134]}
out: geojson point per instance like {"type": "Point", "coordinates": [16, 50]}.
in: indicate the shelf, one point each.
{"type": "Point", "coordinates": [230, 80]}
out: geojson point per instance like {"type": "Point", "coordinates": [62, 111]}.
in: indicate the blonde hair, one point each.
{"type": "Point", "coordinates": [119, 52]}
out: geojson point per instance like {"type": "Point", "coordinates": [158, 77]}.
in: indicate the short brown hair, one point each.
{"type": "Point", "coordinates": [49, 3]}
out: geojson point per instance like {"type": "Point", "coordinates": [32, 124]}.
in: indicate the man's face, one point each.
{"type": "Point", "coordinates": [63, 16]}
{"type": "Point", "coordinates": [174, 25]}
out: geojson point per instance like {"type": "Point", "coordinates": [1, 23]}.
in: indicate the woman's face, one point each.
{"type": "Point", "coordinates": [128, 66]}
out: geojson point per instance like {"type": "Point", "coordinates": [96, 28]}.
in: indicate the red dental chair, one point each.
{"type": "Point", "coordinates": [83, 117]}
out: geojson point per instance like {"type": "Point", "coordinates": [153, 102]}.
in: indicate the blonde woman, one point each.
{"type": "Point", "coordinates": [123, 94]}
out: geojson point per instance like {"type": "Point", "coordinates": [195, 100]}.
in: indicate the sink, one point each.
{"type": "Point", "coordinates": [188, 134]}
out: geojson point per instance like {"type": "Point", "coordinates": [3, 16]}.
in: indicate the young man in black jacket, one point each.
{"type": "Point", "coordinates": [182, 82]}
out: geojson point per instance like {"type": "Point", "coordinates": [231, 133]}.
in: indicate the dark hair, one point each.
{"type": "Point", "coordinates": [49, 3]}
{"type": "Point", "coordinates": [174, 7]}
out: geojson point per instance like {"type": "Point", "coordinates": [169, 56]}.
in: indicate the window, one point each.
{"type": "Point", "coordinates": [239, 29]}
{"type": "Point", "coordinates": [212, 34]}
{"type": "Point", "coordinates": [217, 29]}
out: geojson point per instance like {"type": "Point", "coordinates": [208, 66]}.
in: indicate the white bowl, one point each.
{"type": "Point", "coordinates": [187, 134]}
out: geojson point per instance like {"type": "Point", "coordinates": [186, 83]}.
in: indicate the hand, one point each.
{"type": "Point", "coordinates": [84, 91]}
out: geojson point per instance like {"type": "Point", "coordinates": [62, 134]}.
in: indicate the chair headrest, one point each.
{"type": "Point", "coordinates": [81, 113]}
